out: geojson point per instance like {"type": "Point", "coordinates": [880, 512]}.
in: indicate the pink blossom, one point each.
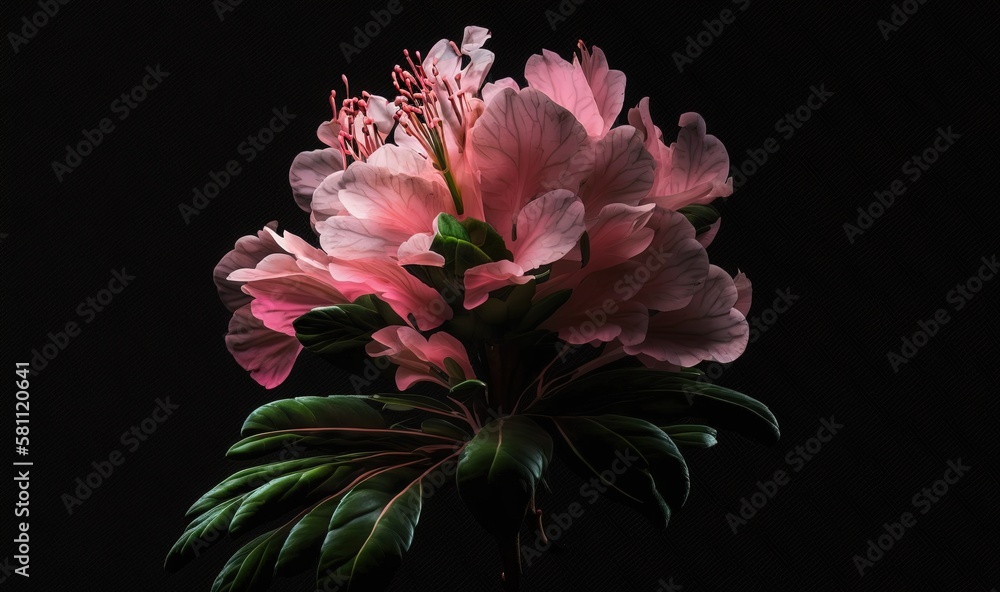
{"type": "Point", "coordinates": [420, 358]}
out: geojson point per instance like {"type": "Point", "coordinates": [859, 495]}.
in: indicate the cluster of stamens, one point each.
{"type": "Point", "coordinates": [354, 110]}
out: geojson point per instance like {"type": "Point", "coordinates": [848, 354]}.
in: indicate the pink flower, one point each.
{"type": "Point", "coordinates": [420, 358]}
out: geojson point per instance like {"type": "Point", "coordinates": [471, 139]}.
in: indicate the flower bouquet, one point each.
{"type": "Point", "coordinates": [543, 269]}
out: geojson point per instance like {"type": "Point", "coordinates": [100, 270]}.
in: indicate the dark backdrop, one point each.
{"type": "Point", "coordinates": [831, 303]}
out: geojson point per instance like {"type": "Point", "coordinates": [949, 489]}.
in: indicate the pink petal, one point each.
{"type": "Point", "coordinates": [699, 167]}
{"type": "Point", "coordinates": [623, 171]}
{"type": "Point", "coordinates": [745, 291]}
{"type": "Point", "coordinates": [416, 250]}
{"type": "Point", "coordinates": [483, 279]}
{"type": "Point", "coordinates": [309, 170]}
{"type": "Point", "coordinates": [492, 89]}
{"type": "Point", "coordinates": [268, 355]}
{"type": "Point", "coordinates": [326, 198]}
{"type": "Point", "coordinates": [618, 234]}
{"type": "Point", "coordinates": [566, 85]}
{"type": "Point", "coordinates": [474, 38]}
{"type": "Point", "coordinates": [403, 292]}
{"type": "Point", "coordinates": [607, 85]}
{"type": "Point", "coordinates": [346, 237]}
{"type": "Point", "coordinates": [706, 238]}
{"type": "Point", "coordinates": [401, 160]}
{"type": "Point", "coordinates": [526, 145]}
{"type": "Point", "coordinates": [278, 302]}
{"type": "Point", "coordinates": [400, 205]}
{"type": "Point", "coordinates": [329, 133]}
{"type": "Point", "coordinates": [708, 328]}
{"type": "Point", "coordinates": [674, 267]}
{"type": "Point", "coordinates": [247, 253]}
{"type": "Point", "coordinates": [419, 358]}
{"type": "Point", "coordinates": [591, 315]}
{"type": "Point", "coordinates": [547, 228]}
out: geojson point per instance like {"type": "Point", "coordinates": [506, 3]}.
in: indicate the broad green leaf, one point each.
{"type": "Point", "coordinates": [448, 225]}
{"type": "Point", "coordinates": [251, 478]}
{"type": "Point", "coordinates": [487, 239]}
{"type": "Point", "coordinates": [497, 474]}
{"type": "Point", "coordinates": [243, 573]}
{"type": "Point", "coordinates": [202, 533]}
{"type": "Point", "coordinates": [305, 539]}
{"type": "Point", "coordinates": [469, 388]}
{"type": "Point", "coordinates": [633, 460]}
{"type": "Point", "coordinates": [700, 216]}
{"type": "Point", "coordinates": [291, 492]}
{"type": "Point", "coordinates": [459, 255]}
{"type": "Point", "coordinates": [335, 329]}
{"type": "Point", "coordinates": [697, 436]}
{"type": "Point", "coordinates": [407, 402]}
{"type": "Point", "coordinates": [370, 530]}
{"type": "Point", "coordinates": [310, 412]}
{"type": "Point", "coordinates": [543, 309]}
{"type": "Point", "coordinates": [334, 440]}
{"type": "Point", "coordinates": [662, 398]}
{"type": "Point", "coordinates": [443, 427]}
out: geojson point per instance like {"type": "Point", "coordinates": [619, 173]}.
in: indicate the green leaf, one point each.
{"type": "Point", "coordinates": [308, 412]}
{"type": "Point", "coordinates": [459, 255]}
{"type": "Point", "coordinates": [251, 478]}
{"type": "Point", "coordinates": [335, 329]}
{"type": "Point", "coordinates": [409, 402]}
{"type": "Point", "coordinates": [290, 492]}
{"type": "Point", "coordinates": [447, 225]}
{"type": "Point", "coordinates": [487, 239]}
{"type": "Point", "coordinates": [242, 572]}
{"type": "Point", "coordinates": [334, 440]}
{"type": "Point", "coordinates": [633, 460]}
{"type": "Point", "coordinates": [305, 539]}
{"type": "Point", "coordinates": [202, 533]}
{"type": "Point", "coordinates": [443, 427]}
{"type": "Point", "coordinates": [543, 309]}
{"type": "Point", "coordinates": [497, 474]}
{"type": "Point", "coordinates": [696, 436]}
{"type": "Point", "coordinates": [700, 216]}
{"type": "Point", "coordinates": [663, 398]}
{"type": "Point", "coordinates": [370, 531]}
{"type": "Point", "coordinates": [469, 388]}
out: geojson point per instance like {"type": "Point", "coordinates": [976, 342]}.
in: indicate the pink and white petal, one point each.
{"type": "Point", "coordinates": [401, 160]}
{"type": "Point", "coordinates": [589, 320]}
{"type": "Point", "coordinates": [474, 37]}
{"type": "Point", "coordinates": [566, 85]}
{"type": "Point", "coordinates": [278, 302]}
{"type": "Point", "coordinates": [619, 233]}
{"type": "Point", "coordinates": [699, 167]}
{"type": "Point", "coordinates": [676, 265]}
{"type": "Point", "coordinates": [745, 293]}
{"type": "Point", "coordinates": [492, 89]}
{"type": "Point", "coordinates": [404, 293]}
{"type": "Point", "coordinates": [300, 249]}
{"type": "Point", "coordinates": [326, 198]}
{"type": "Point", "coordinates": [416, 250]}
{"type": "Point", "coordinates": [708, 328]}
{"type": "Point", "coordinates": [706, 238]}
{"type": "Point", "coordinates": [623, 171]}
{"type": "Point", "coordinates": [607, 85]}
{"type": "Point", "coordinates": [247, 253]}
{"type": "Point", "coordinates": [480, 62]}
{"type": "Point", "coordinates": [346, 237]}
{"type": "Point", "coordinates": [268, 355]}
{"type": "Point", "coordinates": [309, 170]}
{"type": "Point", "coordinates": [277, 265]}
{"type": "Point", "coordinates": [547, 228]}
{"type": "Point", "coordinates": [639, 118]}
{"type": "Point", "coordinates": [483, 279]}
{"type": "Point", "coordinates": [441, 346]}
{"type": "Point", "coordinates": [329, 133]}
{"type": "Point", "coordinates": [401, 205]}
{"type": "Point", "coordinates": [525, 145]}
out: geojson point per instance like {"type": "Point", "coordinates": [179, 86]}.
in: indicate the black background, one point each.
{"type": "Point", "coordinates": [824, 356]}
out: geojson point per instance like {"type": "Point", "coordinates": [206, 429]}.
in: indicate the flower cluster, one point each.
{"type": "Point", "coordinates": [461, 215]}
